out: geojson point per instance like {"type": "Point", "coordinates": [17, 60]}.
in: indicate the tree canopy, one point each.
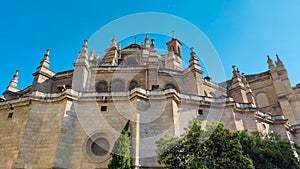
{"type": "Point", "coordinates": [217, 147]}
{"type": "Point", "coordinates": [121, 151]}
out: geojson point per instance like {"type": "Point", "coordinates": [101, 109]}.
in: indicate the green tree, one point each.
{"type": "Point", "coordinates": [269, 151]}
{"type": "Point", "coordinates": [212, 148]}
{"type": "Point", "coordinates": [121, 151]}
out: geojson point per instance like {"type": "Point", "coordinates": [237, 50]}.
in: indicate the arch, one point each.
{"type": "Point", "coordinates": [117, 85]}
{"type": "Point", "coordinates": [101, 86]}
{"type": "Point", "coordinates": [133, 84]}
{"type": "Point", "coordinates": [170, 86]}
{"type": "Point", "coordinates": [262, 100]}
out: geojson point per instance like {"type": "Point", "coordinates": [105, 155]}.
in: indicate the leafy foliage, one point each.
{"type": "Point", "coordinates": [121, 151]}
{"type": "Point", "coordinates": [269, 151]}
{"type": "Point", "coordinates": [213, 148]}
{"type": "Point", "coordinates": [217, 147]}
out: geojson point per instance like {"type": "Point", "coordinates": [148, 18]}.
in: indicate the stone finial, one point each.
{"type": "Point", "coordinates": [244, 80]}
{"type": "Point", "coordinates": [193, 54]}
{"type": "Point", "coordinates": [152, 43]}
{"type": "Point", "coordinates": [113, 42]}
{"type": "Point", "coordinates": [84, 50]}
{"type": "Point", "coordinates": [13, 84]}
{"type": "Point", "coordinates": [85, 43]}
{"type": "Point", "coordinates": [146, 41]}
{"type": "Point", "coordinates": [193, 58]}
{"type": "Point", "coordinates": [119, 46]}
{"type": "Point", "coordinates": [92, 54]}
{"type": "Point", "coordinates": [48, 52]}
{"type": "Point", "coordinates": [279, 62]}
{"type": "Point", "coordinates": [16, 77]}
{"type": "Point", "coordinates": [192, 50]}
{"type": "Point", "coordinates": [47, 55]}
{"type": "Point", "coordinates": [234, 68]}
{"type": "Point", "coordinates": [235, 72]}
{"type": "Point", "coordinates": [270, 61]}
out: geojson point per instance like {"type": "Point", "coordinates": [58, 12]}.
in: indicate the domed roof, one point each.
{"type": "Point", "coordinates": [134, 46]}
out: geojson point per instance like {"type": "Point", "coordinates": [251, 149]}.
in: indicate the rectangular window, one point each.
{"type": "Point", "coordinates": [103, 108]}
{"type": "Point", "coordinates": [10, 115]}
{"type": "Point", "coordinates": [200, 112]}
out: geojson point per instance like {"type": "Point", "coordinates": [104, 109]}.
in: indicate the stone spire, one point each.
{"type": "Point", "coordinates": [194, 75]}
{"type": "Point", "coordinates": [146, 41]}
{"type": "Point", "coordinates": [46, 62]}
{"type": "Point", "coordinates": [194, 62]}
{"type": "Point", "coordinates": [152, 44]}
{"type": "Point", "coordinates": [249, 93]}
{"type": "Point", "coordinates": [92, 54]}
{"type": "Point", "coordinates": [84, 50]}
{"type": "Point", "coordinates": [279, 62]}
{"type": "Point", "coordinates": [119, 46]}
{"type": "Point", "coordinates": [270, 62]}
{"type": "Point", "coordinates": [42, 74]}
{"type": "Point", "coordinates": [13, 84]}
{"type": "Point", "coordinates": [238, 89]}
{"type": "Point", "coordinates": [113, 42]}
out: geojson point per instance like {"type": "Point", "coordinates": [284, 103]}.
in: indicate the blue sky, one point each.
{"type": "Point", "coordinates": [242, 32]}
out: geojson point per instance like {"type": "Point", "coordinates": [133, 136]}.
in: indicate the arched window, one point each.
{"type": "Point", "coordinates": [262, 100]}
{"type": "Point", "coordinates": [101, 86]}
{"type": "Point", "coordinates": [117, 86]}
{"type": "Point", "coordinates": [170, 86]}
{"type": "Point", "coordinates": [132, 85]}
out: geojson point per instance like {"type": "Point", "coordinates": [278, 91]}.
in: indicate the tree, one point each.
{"type": "Point", "coordinates": [121, 151]}
{"type": "Point", "coordinates": [269, 151]}
{"type": "Point", "coordinates": [216, 147]}
{"type": "Point", "coordinates": [212, 148]}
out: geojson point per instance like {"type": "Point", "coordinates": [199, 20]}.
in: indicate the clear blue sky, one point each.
{"type": "Point", "coordinates": [243, 32]}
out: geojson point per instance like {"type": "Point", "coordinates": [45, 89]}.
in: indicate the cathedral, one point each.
{"type": "Point", "coordinates": [71, 119]}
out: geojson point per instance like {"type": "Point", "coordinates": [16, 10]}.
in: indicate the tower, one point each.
{"type": "Point", "coordinates": [174, 58]}
{"type": "Point", "coordinates": [174, 46]}
{"type": "Point", "coordinates": [282, 87]}
{"type": "Point", "coordinates": [237, 89]}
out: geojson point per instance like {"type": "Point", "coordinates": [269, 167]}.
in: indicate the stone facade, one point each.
{"type": "Point", "coordinates": [71, 119]}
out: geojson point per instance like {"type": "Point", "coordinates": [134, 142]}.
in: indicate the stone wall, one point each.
{"type": "Point", "coordinates": [12, 132]}
{"type": "Point", "coordinates": [41, 135]}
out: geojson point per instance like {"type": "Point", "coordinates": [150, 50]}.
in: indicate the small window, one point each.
{"type": "Point", "coordinates": [10, 115]}
{"type": "Point", "coordinates": [155, 87]}
{"type": "Point", "coordinates": [103, 108]}
{"type": "Point", "coordinates": [200, 112]}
